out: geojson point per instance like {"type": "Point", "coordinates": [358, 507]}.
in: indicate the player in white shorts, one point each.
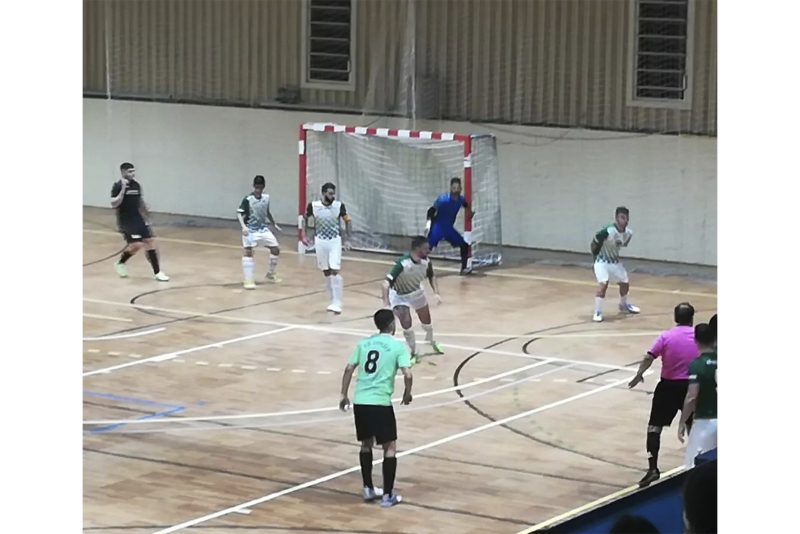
{"type": "Point", "coordinates": [324, 216]}
{"type": "Point", "coordinates": [253, 214]}
{"type": "Point", "coordinates": [607, 267]}
{"type": "Point", "coordinates": [403, 290]}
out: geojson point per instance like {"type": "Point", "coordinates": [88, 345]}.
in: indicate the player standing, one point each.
{"type": "Point", "coordinates": [377, 359]}
{"type": "Point", "coordinates": [607, 267]}
{"type": "Point", "coordinates": [441, 221]}
{"type": "Point", "coordinates": [132, 214]}
{"type": "Point", "coordinates": [677, 349]}
{"type": "Point", "coordinates": [323, 215]}
{"type": "Point", "coordinates": [701, 399]}
{"type": "Point", "coordinates": [402, 290]}
{"type": "Point", "coordinates": [253, 214]}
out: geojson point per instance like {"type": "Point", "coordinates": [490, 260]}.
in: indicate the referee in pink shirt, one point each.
{"type": "Point", "coordinates": [677, 349]}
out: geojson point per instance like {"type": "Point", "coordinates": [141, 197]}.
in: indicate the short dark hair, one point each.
{"type": "Point", "coordinates": [383, 319]}
{"type": "Point", "coordinates": [633, 524]}
{"type": "Point", "coordinates": [713, 324]}
{"type": "Point", "coordinates": [259, 181]}
{"type": "Point", "coordinates": [684, 314]}
{"type": "Point", "coordinates": [623, 210]}
{"type": "Point", "coordinates": [326, 186]}
{"type": "Point", "coordinates": [418, 241]}
{"type": "Point", "coordinates": [126, 166]}
{"type": "Point", "coordinates": [455, 180]}
{"type": "Point", "coordinates": [704, 334]}
{"type": "Point", "coordinates": [700, 499]}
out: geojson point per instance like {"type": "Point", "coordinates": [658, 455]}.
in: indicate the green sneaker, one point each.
{"type": "Point", "coordinates": [271, 277]}
{"type": "Point", "coordinates": [436, 348]}
{"type": "Point", "coordinates": [121, 270]}
{"type": "Point", "coordinates": [414, 358]}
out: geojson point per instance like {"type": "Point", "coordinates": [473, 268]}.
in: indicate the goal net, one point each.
{"type": "Point", "coordinates": [388, 179]}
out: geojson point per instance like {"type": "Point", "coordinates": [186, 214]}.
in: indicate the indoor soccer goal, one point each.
{"type": "Point", "coordinates": [388, 179]}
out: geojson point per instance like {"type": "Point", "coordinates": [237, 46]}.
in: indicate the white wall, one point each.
{"type": "Point", "coordinates": [558, 186]}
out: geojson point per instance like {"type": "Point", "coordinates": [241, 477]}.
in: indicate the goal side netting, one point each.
{"type": "Point", "coordinates": [388, 179]}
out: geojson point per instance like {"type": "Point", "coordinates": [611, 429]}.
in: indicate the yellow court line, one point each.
{"type": "Point", "coordinates": [450, 269]}
{"type": "Point", "coordinates": [594, 504]}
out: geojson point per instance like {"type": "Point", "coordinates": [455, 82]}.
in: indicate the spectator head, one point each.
{"type": "Point", "coordinates": [704, 336]}
{"type": "Point", "coordinates": [633, 524]}
{"type": "Point", "coordinates": [700, 500]}
{"type": "Point", "coordinates": [684, 314]}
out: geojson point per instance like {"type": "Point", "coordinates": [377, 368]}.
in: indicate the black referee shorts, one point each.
{"type": "Point", "coordinates": [668, 400]}
{"type": "Point", "coordinates": [373, 421]}
{"type": "Point", "coordinates": [135, 231]}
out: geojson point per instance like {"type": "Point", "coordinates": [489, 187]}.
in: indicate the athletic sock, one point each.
{"type": "Point", "coordinates": [152, 257]}
{"type": "Point", "coordinates": [125, 257]}
{"type": "Point", "coordinates": [623, 299]}
{"type": "Point", "coordinates": [329, 287]}
{"type": "Point", "coordinates": [464, 256]}
{"type": "Point", "coordinates": [389, 471]}
{"type": "Point", "coordinates": [428, 332]}
{"type": "Point", "coordinates": [273, 264]}
{"type": "Point", "coordinates": [365, 458]}
{"type": "Point", "coordinates": [411, 339]}
{"type": "Point", "coordinates": [248, 265]}
{"type": "Point", "coordinates": [338, 288]}
{"type": "Point", "coordinates": [653, 446]}
{"type": "Point", "coordinates": [598, 304]}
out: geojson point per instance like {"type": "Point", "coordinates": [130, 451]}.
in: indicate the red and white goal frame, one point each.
{"type": "Point", "coordinates": [466, 175]}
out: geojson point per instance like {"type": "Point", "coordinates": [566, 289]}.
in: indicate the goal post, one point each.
{"type": "Point", "coordinates": [389, 178]}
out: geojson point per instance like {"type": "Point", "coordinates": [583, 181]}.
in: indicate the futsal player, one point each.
{"type": "Point", "coordinates": [324, 216]}
{"type": "Point", "coordinates": [701, 398]}
{"type": "Point", "coordinates": [377, 359]}
{"type": "Point", "coordinates": [677, 349]}
{"type": "Point", "coordinates": [253, 215]}
{"type": "Point", "coordinates": [607, 267]}
{"type": "Point", "coordinates": [403, 290]}
{"type": "Point", "coordinates": [132, 215]}
{"type": "Point", "coordinates": [442, 218]}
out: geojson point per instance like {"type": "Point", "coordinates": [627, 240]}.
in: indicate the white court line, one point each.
{"type": "Point", "coordinates": [314, 410]}
{"type": "Point", "coordinates": [415, 450]}
{"type": "Point", "coordinates": [171, 355]}
{"type": "Point", "coordinates": [108, 318]}
{"type": "Point", "coordinates": [315, 328]}
{"type": "Point", "coordinates": [125, 336]}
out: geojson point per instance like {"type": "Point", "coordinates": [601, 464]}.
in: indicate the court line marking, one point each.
{"type": "Point", "coordinates": [108, 318]}
{"type": "Point", "coordinates": [175, 354]}
{"type": "Point", "coordinates": [594, 504]}
{"type": "Point", "coordinates": [439, 268]}
{"type": "Point", "coordinates": [125, 336]}
{"type": "Point", "coordinates": [358, 333]}
{"type": "Point", "coordinates": [415, 450]}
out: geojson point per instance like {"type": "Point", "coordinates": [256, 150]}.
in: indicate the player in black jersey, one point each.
{"type": "Point", "coordinates": [126, 198]}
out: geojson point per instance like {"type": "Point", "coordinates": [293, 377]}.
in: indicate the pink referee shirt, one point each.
{"type": "Point", "coordinates": [677, 349]}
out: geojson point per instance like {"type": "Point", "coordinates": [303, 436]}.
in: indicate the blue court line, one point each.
{"type": "Point", "coordinates": [165, 413]}
{"type": "Point", "coordinates": [131, 400]}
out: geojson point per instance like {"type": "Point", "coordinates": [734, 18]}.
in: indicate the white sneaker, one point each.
{"type": "Point", "coordinates": [249, 284]}
{"type": "Point", "coordinates": [628, 308]}
{"type": "Point", "coordinates": [598, 317]}
{"type": "Point", "coordinates": [335, 308]}
{"type": "Point", "coordinates": [161, 277]}
{"type": "Point", "coordinates": [371, 495]}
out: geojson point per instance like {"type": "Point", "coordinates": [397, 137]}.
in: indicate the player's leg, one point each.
{"type": "Point", "coordinates": [667, 400]}
{"type": "Point", "coordinates": [457, 240]}
{"type": "Point", "coordinates": [365, 433]}
{"type": "Point", "coordinates": [403, 314]}
{"type": "Point", "coordinates": [269, 240]}
{"type": "Point", "coordinates": [321, 248]}
{"type": "Point", "coordinates": [702, 438]}
{"type": "Point", "coordinates": [337, 282]}
{"type": "Point", "coordinates": [624, 287]}
{"type": "Point", "coordinates": [420, 304]}
{"type": "Point", "coordinates": [133, 246]}
{"type": "Point", "coordinates": [248, 263]}
{"type": "Point", "coordinates": [602, 275]}
{"type": "Point", "coordinates": [386, 436]}
{"type": "Point", "coordinates": [152, 257]}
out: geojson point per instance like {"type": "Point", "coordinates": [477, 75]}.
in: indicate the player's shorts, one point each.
{"type": "Point", "coordinates": [442, 232]}
{"type": "Point", "coordinates": [702, 438]}
{"type": "Point", "coordinates": [374, 421]}
{"type": "Point", "coordinates": [135, 231]}
{"type": "Point", "coordinates": [262, 237]}
{"type": "Point", "coordinates": [414, 300]}
{"type": "Point", "coordinates": [668, 400]}
{"type": "Point", "coordinates": [329, 253]}
{"type": "Point", "coordinates": [610, 272]}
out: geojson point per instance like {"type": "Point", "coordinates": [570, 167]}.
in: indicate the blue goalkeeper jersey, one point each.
{"type": "Point", "coordinates": [447, 209]}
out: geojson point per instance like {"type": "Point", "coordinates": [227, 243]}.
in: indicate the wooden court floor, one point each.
{"type": "Point", "coordinates": [212, 409]}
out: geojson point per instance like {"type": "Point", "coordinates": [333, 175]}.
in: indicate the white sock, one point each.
{"type": "Point", "coordinates": [273, 263]}
{"type": "Point", "coordinates": [338, 288]}
{"type": "Point", "coordinates": [329, 287]}
{"type": "Point", "coordinates": [428, 332]}
{"type": "Point", "coordinates": [411, 339]}
{"type": "Point", "coordinates": [247, 266]}
{"type": "Point", "coordinates": [598, 304]}
{"type": "Point", "coordinates": [623, 299]}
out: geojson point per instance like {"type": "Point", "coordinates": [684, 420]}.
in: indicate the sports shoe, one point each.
{"type": "Point", "coordinates": [436, 348]}
{"type": "Point", "coordinates": [414, 358]}
{"type": "Point", "coordinates": [598, 317]}
{"type": "Point", "coordinates": [390, 500]}
{"type": "Point", "coordinates": [466, 272]}
{"type": "Point", "coordinates": [371, 494]}
{"type": "Point", "coordinates": [651, 476]}
{"type": "Point", "coordinates": [161, 277]}
{"type": "Point", "coordinates": [249, 284]}
{"type": "Point", "coordinates": [122, 271]}
{"type": "Point", "coordinates": [628, 308]}
{"type": "Point", "coordinates": [335, 308]}
{"type": "Point", "coordinates": [272, 277]}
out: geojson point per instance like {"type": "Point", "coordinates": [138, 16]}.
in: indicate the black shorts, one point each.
{"type": "Point", "coordinates": [373, 421]}
{"type": "Point", "coordinates": [135, 231]}
{"type": "Point", "coordinates": [668, 399]}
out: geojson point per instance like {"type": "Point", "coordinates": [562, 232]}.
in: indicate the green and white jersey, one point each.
{"type": "Point", "coordinates": [703, 371]}
{"type": "Point", "coordinates": [326, 218]}
{"type": "Point", "coordinates": [377, 359]}
{"type": "Point", "coordinates": [254, 211]}
{"type": "Point", "coordinates": [408, 275]}
{"type": "Point", "coordinates": [613, 240]}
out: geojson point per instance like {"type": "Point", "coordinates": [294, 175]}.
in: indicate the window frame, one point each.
{"type": "Point", "coordinates": [329, 85]}
{"type": "Point", "coordinates": [662, 103]}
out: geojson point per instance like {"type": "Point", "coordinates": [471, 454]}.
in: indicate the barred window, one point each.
{"type": "Point", "coordinates": [329, 43]}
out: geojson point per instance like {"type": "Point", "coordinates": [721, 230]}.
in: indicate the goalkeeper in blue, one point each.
{"type": "Point", "coordinates": [441, 222]}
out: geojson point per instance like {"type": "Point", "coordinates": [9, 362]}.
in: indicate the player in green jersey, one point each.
{"type": "Point", "coordinates": [701, 399]}
{"type": "Point", "coordinates": [377, 359]}
{"type": "Point", "coordinates": [402, 290]}
{"type": "Point", "coordinates": [605, 249]}
{"type": "Point", "coordinates": [254, 215]}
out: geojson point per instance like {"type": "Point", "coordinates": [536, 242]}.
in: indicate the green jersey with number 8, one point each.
{"type": "Point", "coordinates": [377, 359]}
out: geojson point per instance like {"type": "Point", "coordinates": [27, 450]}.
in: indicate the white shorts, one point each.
{"type": "Point", "coordinates": [610, 272]}
{"type": "Point", "coordinates": [329, 253]}
{"type": "Point", "coordinates": [254, 239]}
{"type": "Point", "coordinates": [414, 300]}
{"type": "Point", "coordinates": [702, 438]}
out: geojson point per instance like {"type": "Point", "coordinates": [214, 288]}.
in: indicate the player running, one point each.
{"type": "Point", "coordinates": [607, 267]}
{"type": "Point", "coordinates": [701, 399]}
{"type": "Point", "coordinates": [377, 359]}
{"type": "Point", "coordinates": [132, 214]}
{"type": "Point", "coordinates": [403, 290]}
{"type": "Point", "coordinates": [441, 222]}
{"type": "Point", "coordinates": [253, 214]}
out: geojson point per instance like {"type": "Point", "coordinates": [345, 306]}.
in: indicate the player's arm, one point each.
{"type": "Point", "coordinates": [404, 363]}
{"type": "Point", "coordinates": [627, 240]}
{"type": "Point", "coordinates": [271, 219]}
{"type": "Point", "coordinates": [347, 376]}
{"type": "Point", "coordinates": [654, 352]}
{"type": "Point", "coordinates": [597, 242]}
{"type": "Point", "coordinates": [391, 277]}
{"type": "Point", "coordinates": [467, 207]}
{"type": "Point", "coordinates": [348, 223]}
{"type": "Point", "coordinates": [432, 280]}
{"type": "Point", "coordinates": [118, 192]}
{"type": "Point", "coordinates": [243, 215]}
{"type": "Point", "coordinates": [143, 209]}
{"type": "Point", "coordinates": [431, 216]}
{"type": "Point", "coordinates": [308, 223]}
{"type": "Point", "coordinates": [690, 401]}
